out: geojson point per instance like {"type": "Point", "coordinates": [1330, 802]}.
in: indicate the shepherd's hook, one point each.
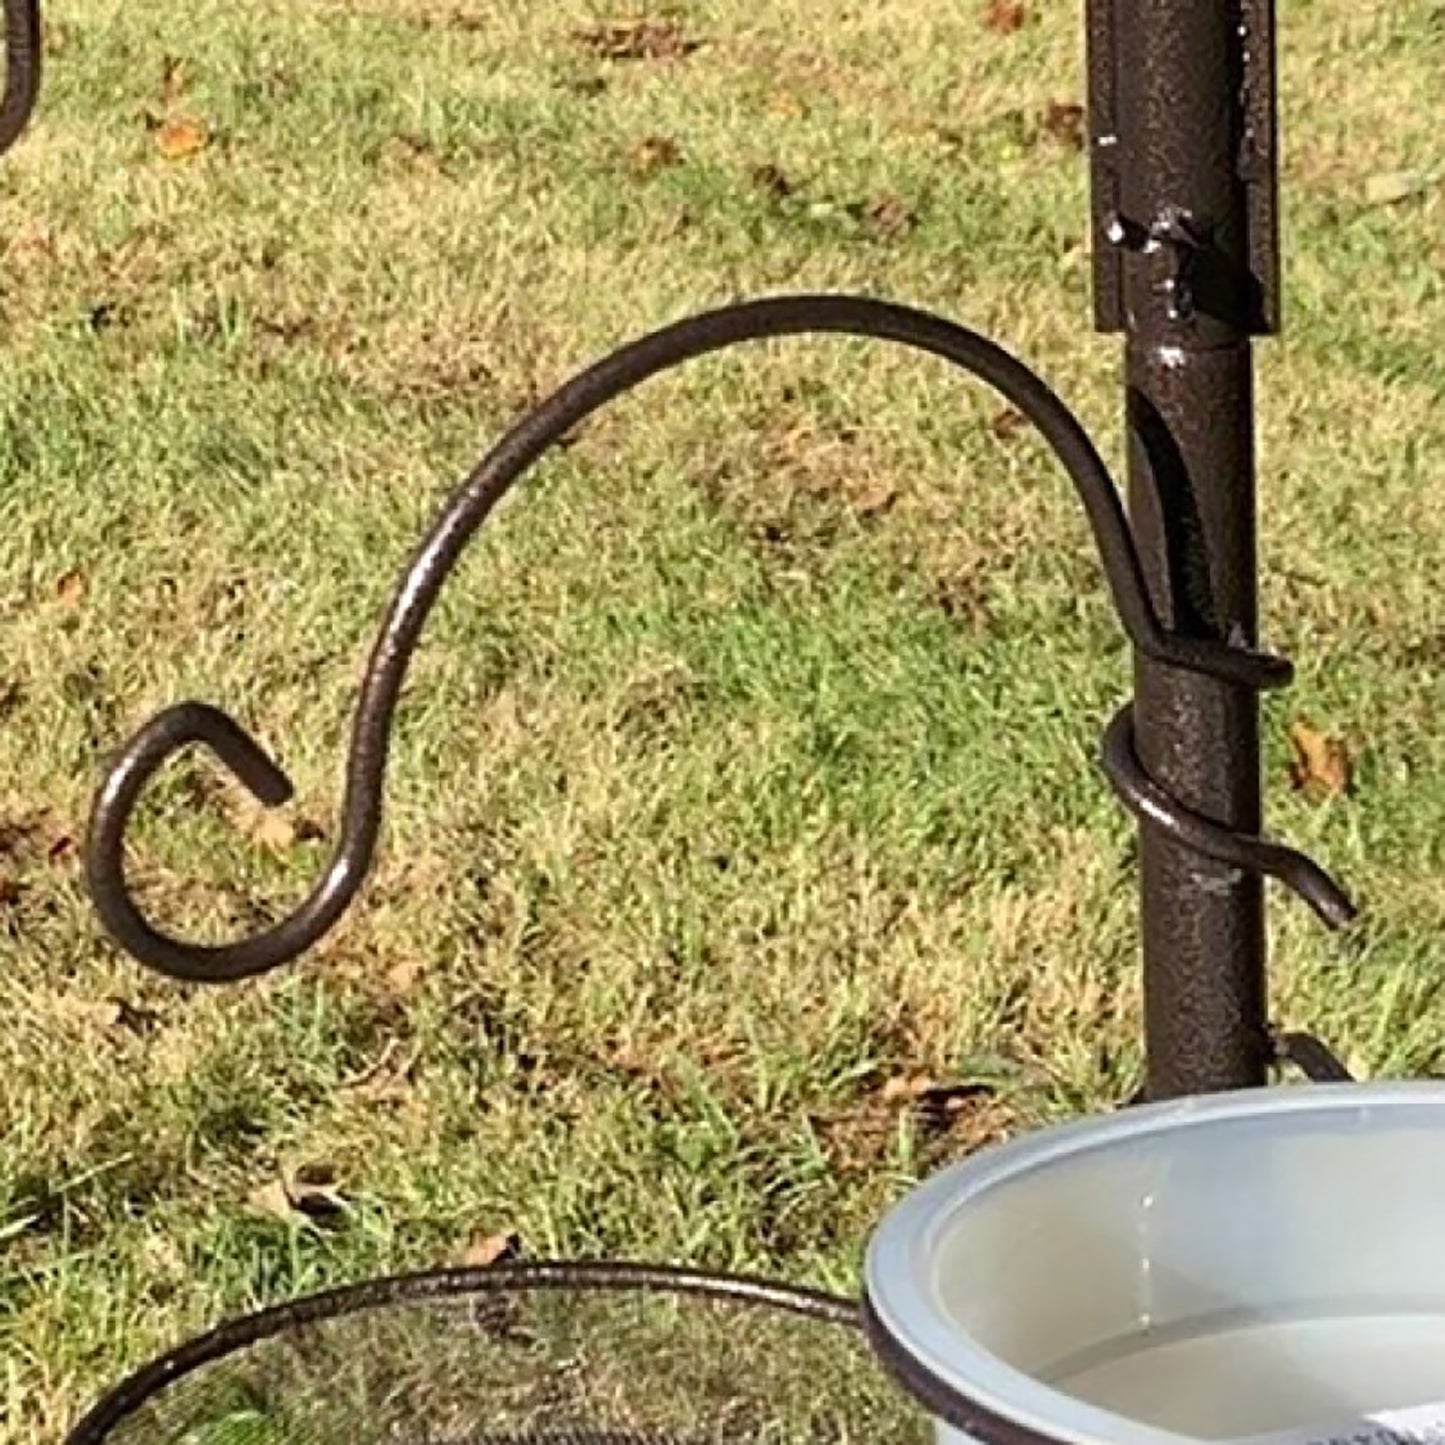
{"type": "Point", "coordinates": [463, 514]}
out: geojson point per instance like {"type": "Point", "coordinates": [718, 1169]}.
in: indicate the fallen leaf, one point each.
{"type": "Point", "coordinates": [114, 1015]}
{"type": "Point", "coordinates": [875, 501]}
{"type": "Point", "coordinates": [272, 1199]}
{"type": "Point", "coordinates": [638, 40]}
{"type": "Point", "coordinates": [786, 105]}
{"type": "Point", "coordinates": [901, 1090]}
{"type": "Point", "coordinates": [1064, 121]}
{"type": "Point", "coordinates": [652, 154]}
{"type": "Point", "coordinates": [278, 829]}
{"type": "Point", "coordinates": [491, 1249]}
{"type": "Point", "coordinates": [274, 830]}
{"type": "Point", "coordinates": [72, 587]}
{"type": "Point", "coordinates": [771, 179]}
{"type": "Point", "coordinates": [313, 1192]}
{"type": "Point", "coordinates": [308, 1195]}
{"type": "Point", "coordinates": [1389, 188]}
{"type": "Point", "coordinates": [178, 138]}
{"type": "Point", "coordinates": [403, 976]}
{"type": "Point", "coordinates": [941, 1104]}
{"type": "Point", "coordinates": [890, 215]}
{"type": "Point", "coordinates": [1322, 765]}
{"type": "Point", "coordinates": [925, 1091]}
{"type": "Point", "coordinates": [1007, 424]}
{"type": "Point", "coordinates": [1005, 16]}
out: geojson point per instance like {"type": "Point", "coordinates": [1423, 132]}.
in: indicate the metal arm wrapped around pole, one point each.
{"type": "Point", "coordinates": [464, 513]}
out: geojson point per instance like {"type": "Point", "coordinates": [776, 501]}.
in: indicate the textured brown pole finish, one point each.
{"type": "Point", "coordinates": [1184, 152]}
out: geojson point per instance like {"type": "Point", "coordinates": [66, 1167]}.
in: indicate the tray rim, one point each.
{"type": "Point", "coordinates": [600, 1276]}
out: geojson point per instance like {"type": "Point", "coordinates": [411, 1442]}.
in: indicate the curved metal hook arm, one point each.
{"type": "Point", "coordinates": [23, 48]}
{"type": "Point", "coordinates": [470, 505]}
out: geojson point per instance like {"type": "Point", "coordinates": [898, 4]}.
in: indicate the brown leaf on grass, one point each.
{"type": "Point", "coordinates": [1064, 122]}
{"type": "Point", "coordinates": [874, 501]}
{"type": "Point", "coordinates": [114, 1015]}
{"type": "Point", "coordinates": [925, 1092]}
{"type": "Point", "coordinates": [307, 1195]}
{"type": "Point", "coordinates": [889, 216]}
{"type": "Point", "coordinates": [771, 180]}
{"type": "Point", "coordinates": [787, 105]}
{"type": "Point", "coordinates": [71, 588]}
{"type": "Point", "coordinates": [180, 137]}
{"type": "Point", "coordinates": [277, 829]}
{"type": "Point", "coordinates": [900, 1090]}
{"type": "Point", "coordinates": [1389, 188]}
{"type": "Point", "coordinates": [271, 1199]}
{"type": "Point", "coordinates": [403, 976]}
{"type": "Point", "coordinates": [638, 40]}
{"type": "Point", "coordinates": [1322, 766]}
{"type": "Point", "coordinates": [1004, 17]}
{"type": "Point", "coordinates": [489, 1249]}
{"type": "Point", "coordinates": [948, 1119]}
{"type": "Point", "coordinates": [652, 154]}
{"type": "Point", "coordinates": [274, 830]}
{"type": "Point", "coordinates": [1007, 425]}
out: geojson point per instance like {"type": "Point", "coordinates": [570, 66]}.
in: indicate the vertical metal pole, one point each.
{"type": "Point", "coordinates": [1183, 130]}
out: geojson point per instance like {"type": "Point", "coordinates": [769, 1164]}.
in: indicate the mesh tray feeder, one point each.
{"type": "Point", "coordinates": [576, 1354]}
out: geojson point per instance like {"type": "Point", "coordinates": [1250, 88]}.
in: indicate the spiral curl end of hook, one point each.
{"type": "Point", "coordinates": [183, 725]}
{"type": "Point", "coordinates": [165, 736]}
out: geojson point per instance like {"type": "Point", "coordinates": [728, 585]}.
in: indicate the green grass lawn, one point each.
{"type": "Point", "coordinates": [745, 781]}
